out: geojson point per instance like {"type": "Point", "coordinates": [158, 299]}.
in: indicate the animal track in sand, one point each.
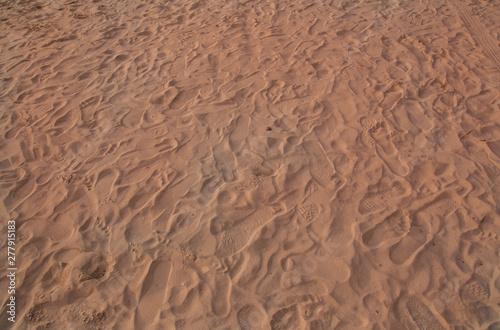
{"type": "Point", "coordinates": [394, 226]}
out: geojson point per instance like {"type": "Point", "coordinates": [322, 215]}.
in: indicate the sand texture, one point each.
{"type": "Point", "coordinates": [261, 164]}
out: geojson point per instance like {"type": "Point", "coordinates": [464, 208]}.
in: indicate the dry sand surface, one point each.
{"type": "Point", "coordinates": [251, 164]}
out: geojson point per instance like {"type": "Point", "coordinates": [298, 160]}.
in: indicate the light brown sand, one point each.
{"type": "Point", "coordinates": [256, 164]}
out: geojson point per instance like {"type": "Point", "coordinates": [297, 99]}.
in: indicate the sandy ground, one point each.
{"type": "Point", "coordinates": [251, 164]}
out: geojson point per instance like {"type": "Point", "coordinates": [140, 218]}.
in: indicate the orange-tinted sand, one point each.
{"type": "Point", "coordinates": [251, 164]}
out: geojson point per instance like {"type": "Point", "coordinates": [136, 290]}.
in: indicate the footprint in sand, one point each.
{"type": "Point", "coordinates": [306, 214]}
{"type": "Point", "coordinates": [426, 223]}
{"type": "Point", "coordinates": [237, 237]}
{"type": "Point", "coordinates": [167, 199]}
{"type": "Point", "coordinates": [386, 150]}
{"type": "Point", "coordinates": [391, 96]}
{"type": "Point", "coordinates": [321, 168]}
{"type": "Point", "coordinates": [394, 226]}
{"type": "Point", "coordinates": [422, 315]}
{"type": "Point", "coordinates": [41, 110]}
{"type": "Point", "coordinates": [90, 102]}
{"type": "Point", "coordinates": [366, 139]}
{"type": "Point", "coordinates": [252, 318]}
{"type": "Point", "coordinates": [221, 304]}
{"type": "Point", "coordinates": [475, 291]}
{"type": "Point", "coordinates": [239, 133]}
{"type": "Point", "coordinates": [373, 203]}
{"type": "Point", "coordinates": [75, 88]}
{"type": "Point", "coordinates": [487, 233]}
{"type": "Point", "coordinates": [288, 318]}
{"type": "Point", "coordinates": [225, 160]}
{"type": "Point", "coordinates": [482, 104]}
{"type": "Point", "coordinates": [153, 293]}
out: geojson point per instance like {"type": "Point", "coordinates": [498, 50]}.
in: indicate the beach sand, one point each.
{"type": "Point", "coordinates": [251, 164]}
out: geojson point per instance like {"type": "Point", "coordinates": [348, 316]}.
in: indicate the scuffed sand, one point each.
{"type": "Point", "coordinates": [251, 164]}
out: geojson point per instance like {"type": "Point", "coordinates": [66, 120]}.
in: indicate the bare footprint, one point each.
{"type": "Point", "coordinates": [394, 226]}
{"type": "Point", "coordinates": [366, 139]}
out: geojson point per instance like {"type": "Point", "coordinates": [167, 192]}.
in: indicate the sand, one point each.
{"type": "Point", "coordinates": [251, 164]}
